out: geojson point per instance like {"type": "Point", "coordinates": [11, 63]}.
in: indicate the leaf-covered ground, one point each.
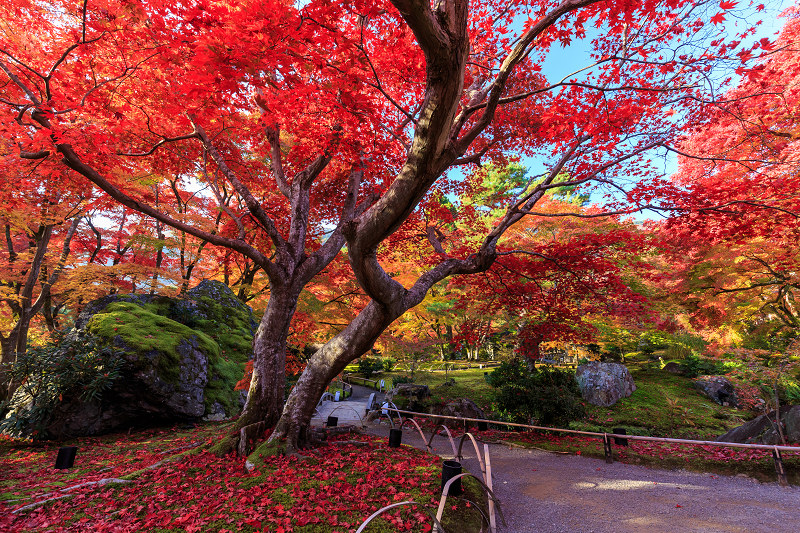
{"type": "Point", "coordinates": [176, 486]}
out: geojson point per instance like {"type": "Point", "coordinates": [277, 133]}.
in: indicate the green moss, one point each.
{"type": "Point", "coordinates": [146, 333]}
{"type": "Point", "coordinates": [283, 497]}
{"type": "Point", "coordinates": [254, 481]}
{"type": "Point", "coordinates": [160, 305]}
{"type": "Point", "coordinates": [222, 377]}
{"type": "Point", "coordinates": [224, 445]}
{"type": "Point", "coordinates": [223, 335]}
{"type": "Point", "coordinates": [466, 516]}
{"type": "Point", "coordinates": [266, 449]}
{"type": "Point", "coordinates": [229, 324]}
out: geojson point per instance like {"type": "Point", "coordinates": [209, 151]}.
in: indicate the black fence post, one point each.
{"type": "Point", "coordinates": [395, 438]}
{"type": "Point", "coordinates": [451, 469]}
{"type": "Point", "coordinates": [619, 441]}
{"type": "Point", "coordinates": [66, 457]}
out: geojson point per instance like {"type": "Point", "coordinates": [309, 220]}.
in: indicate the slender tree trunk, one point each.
{"type": "Point", "coordinates": [20, 345]}
{"type": "Point", "coordinates": [8, 345]}
{"type": "Point", "coordinates": [10, 349]}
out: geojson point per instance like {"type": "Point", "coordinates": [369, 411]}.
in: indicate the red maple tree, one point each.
{"type": "Point", "coordinates": [335, 123]}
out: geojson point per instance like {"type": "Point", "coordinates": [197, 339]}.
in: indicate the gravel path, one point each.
{"type": "Point", "coordinates": [545, 492]}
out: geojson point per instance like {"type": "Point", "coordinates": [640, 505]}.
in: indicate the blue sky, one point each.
{"type": "Point", "coordinates": [566, 60]}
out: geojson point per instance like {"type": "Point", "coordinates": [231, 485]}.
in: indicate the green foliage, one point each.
{"type": "Point", "coordinates": [694, 366]}
{"type": "Point", "coordinates": [771, 336]}
{"type": "Point", "coordinates": [548, 395]}
{"type": "Point", "coordinates": [338, 386]}
{"type": "Point", "coordinates": [398, 380]}
{"type": "Point", "coordinates": [388, 364]}
{"type": "Point", "coordinates": [369, 365]}
{"type": "Point", "coordinates": [77, 366]}
{"type": "Point", "coordinates": [651, 341]}
{"type": "Point", "coordinates": [792, 393]}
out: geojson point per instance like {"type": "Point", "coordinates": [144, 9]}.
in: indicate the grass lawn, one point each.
{"type": "Point", "coordinates": [664, 404]}
{"type": "Point", "coordinates": [174, 485]}
{"type": "Point", "coordinates": [468, 384]}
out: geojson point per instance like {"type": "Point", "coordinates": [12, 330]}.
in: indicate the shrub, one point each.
{"type": "Point", "coordinates": [397, 380]}
{"type": "Point", "coordinates": [368, 366]}
{"type": "Point", "coordinates": [694, 366]}
{"type": "Point", "coordinates": [548, 395]}
{"type": "Point", "coordinates": [77, 366]}
{"type": "Point", "coordinates": [792, 392]}
{"type": "Point", "coordinates": [388, 364]}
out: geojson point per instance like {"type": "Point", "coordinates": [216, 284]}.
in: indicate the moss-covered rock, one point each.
{"type": "Point", "coordinates": [183, 358]}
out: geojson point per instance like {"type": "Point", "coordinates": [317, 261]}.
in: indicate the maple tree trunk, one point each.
{"type": "Point", "coordinates": [326, 363]}
{"type": "Point", "coordinates": [265, 396]}
{"type": "Point", "coordinates": [15, 343]}
{"type": "Point", "coordinates": [7, 357]}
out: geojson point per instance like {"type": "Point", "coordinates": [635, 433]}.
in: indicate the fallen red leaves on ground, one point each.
{"type": "Point", "coordinates": [336, 486]}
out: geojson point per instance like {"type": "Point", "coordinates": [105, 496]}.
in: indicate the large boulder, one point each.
{"type": "Point", "coordinates": [763, 429]}
{"type": "Point", "coordinates": [719, 389]}
{"type": "Point", "coordinates": [461, 408]}
{"type": "Point", "coordinates": [409, 396]}
{"type": "Point", "coordinates": [604, 384]}
{"type": "Point", "coordinates": [791, 424]}
{"type": "Point", "coordinates": [180, 361]}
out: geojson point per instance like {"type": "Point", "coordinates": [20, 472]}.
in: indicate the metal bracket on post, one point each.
{"type": "Point", "coordinates": [607, 448]}
{"type": "Point", "coordinates": [779, 469]}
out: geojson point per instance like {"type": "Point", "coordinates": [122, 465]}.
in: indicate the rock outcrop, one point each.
{"type": "Point", "coordinates": [717, 388]}
{"type": "Point", "coordinates": [604, 384]}
{"type": "Point", "coordinates": [763, 429]}
{"type": "Point", "coordinates": [409, 396]}
{"type": "Point", "coordinates": [180, 361]}
{"type": "Point", "coordinates": [462, 408]}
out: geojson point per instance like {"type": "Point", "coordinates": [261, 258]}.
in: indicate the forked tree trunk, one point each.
{"type": "Point", "coordinates": [326, 363]}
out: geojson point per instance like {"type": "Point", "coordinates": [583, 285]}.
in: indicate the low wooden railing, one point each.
{"type": "Point", "coordinates": [375, 384]}
{"type": "Point", "coordinates": [776, 449]}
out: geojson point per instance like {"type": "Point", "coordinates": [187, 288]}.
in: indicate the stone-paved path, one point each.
{"type": "Point", "coordinates": [349, 411]}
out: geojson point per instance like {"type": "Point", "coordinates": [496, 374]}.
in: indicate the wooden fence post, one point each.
{"type": "Point", "coordinates": [607, 448]}
{"type": "Point", "coordinates": [779, 469]}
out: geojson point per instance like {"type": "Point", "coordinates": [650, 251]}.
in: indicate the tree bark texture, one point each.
{"type": "Point", "coordinates": [266, 393]}
{"type": "Point", "coordinates": [326, 363]}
